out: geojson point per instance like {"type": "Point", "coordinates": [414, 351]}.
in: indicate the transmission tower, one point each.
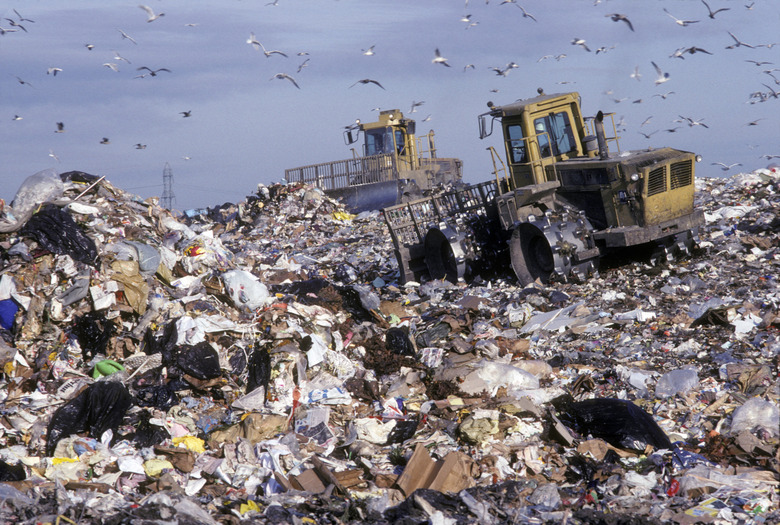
{"type": "Point", "coordinates": [168, 198]}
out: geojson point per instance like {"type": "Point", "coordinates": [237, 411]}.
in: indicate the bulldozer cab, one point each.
{"type": "Point", "coordinates": [392, 135]}
{"type": "Point", "coordinates": [537, 133]}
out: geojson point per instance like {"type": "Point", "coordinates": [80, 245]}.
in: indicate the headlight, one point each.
{"type": "Point", "coordinates": [698, 158]}
{"type": "Point", "coordinates": [634, 177]}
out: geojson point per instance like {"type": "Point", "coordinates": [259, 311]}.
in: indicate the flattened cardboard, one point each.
{"type": "Point", "coordinates": [451, 474]}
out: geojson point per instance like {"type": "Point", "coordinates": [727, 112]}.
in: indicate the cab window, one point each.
{"type": "Point", "coordinates": [516, 143]}
{"type": "Point", "coordinates": [554, 134]}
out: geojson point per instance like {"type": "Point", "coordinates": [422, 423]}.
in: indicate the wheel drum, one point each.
{"type": "Point", "coordinates": [444, 255]}
{"type": "Point", "coordinates": [531, 254]}
{"type": "Point", "coordinates": [545, 248]}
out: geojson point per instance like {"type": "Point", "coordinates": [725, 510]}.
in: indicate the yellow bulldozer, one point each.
{"type": "Point", "coordinates": [565, 197]}
{"type": "Point", "coordinates": [394, 166]}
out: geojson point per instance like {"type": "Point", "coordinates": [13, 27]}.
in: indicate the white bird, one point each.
{"type": "Point", "coordinates": [469, 66]}
{"type": "Point", "coordinates": [90, 46]}
{"type": "Point", "coordinates": [257, 45]}
{"type": "Point", "coordinates": [416, 105]}
{"type": "Point", "coordinates": [21, 18]}
{"type": "Point", "coordinates": [664, 95]}
{"type": "Point", "coordinates": [726, 167]}
{"type": "Point", "coordinates": [646, 121]}
{"type": "Point", "coordinates": [681, 23]}
{"type": "Point", "coordinates": [4, 31]}
{"type": "Point", "coordinates": [286, 76]}
{"type": "Point", "coordinates": [16, 117]}
{"type": "Point", "coordinates": [111, 66]}
{"type": "Point", "coordinates": [648, 135]}
{"type": "Point", "coordinates": [526, 14]}
{"type": "Point", "coordinates": [438, 59]}
{"type": "Point", "coordinates": [52, 155]}
{"type": "Point", "coordinates": [53, 71]}
{"type": "Point", "coordinates": [125, 35]}
{"type": "Point", "coordinates": [369, 52]}
{"type": "Point", "coordinates": [119, 57]}
{"type": "Point", "coordinates": [662, 76]}
{"type": "Point", "coordinates": [580, 42]}
{"type": "Point", "coordinates": [737, 42]}
{"type": "Point", "coordinates": [151, 17]}
{"type": "Point", "coordinates": [636, 74]}
{"type": "Point", "coordinates": [693, 122]}
{"type": "Point", "coordinates": [303, 64]}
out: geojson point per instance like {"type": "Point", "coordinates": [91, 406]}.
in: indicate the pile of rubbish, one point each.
{"type": "Point", "coordinates": [261, 363]}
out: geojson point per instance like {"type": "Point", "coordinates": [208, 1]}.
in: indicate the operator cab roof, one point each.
{"type": "Point", "coordinates": [517, 107]}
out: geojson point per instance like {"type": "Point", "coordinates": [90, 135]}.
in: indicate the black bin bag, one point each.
{"type": "Point", "coordinates": [617, 421]}
{"type": "Point", "coordinates": [100, 407]}
{"type": "Point", "coordinates": [55, 230]}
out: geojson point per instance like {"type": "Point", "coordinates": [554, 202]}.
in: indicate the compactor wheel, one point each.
{"type": "Point", "coordinates": [444, 254]}
{"type": "Point", "coordinates": [545, 249]}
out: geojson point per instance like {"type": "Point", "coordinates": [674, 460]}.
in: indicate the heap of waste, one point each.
{"type": "Point", "coordinates": [261, 363]}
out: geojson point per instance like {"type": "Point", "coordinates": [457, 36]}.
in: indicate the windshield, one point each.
{"type": "Point", "coordinates": [378, 141]}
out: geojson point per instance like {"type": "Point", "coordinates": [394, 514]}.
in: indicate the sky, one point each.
{"type": "Point", "coordinates": [246, 127]}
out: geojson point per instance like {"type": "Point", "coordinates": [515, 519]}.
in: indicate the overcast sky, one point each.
{"type": "Point", "coordinates": [246, 127]}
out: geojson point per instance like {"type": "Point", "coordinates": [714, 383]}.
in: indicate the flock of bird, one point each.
{"type": "Point", "coordinates": [18, 23]}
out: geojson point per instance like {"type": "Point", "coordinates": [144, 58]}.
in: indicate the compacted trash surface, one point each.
{"type": "Point", "coordinates": [262, 363]}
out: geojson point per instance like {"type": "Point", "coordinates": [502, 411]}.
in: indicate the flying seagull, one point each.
{"type": "Point", "coordinates": [152, 72]}
{"type": "Point", "coordinates": [21, 18]}
{"type": "Point", "coordinates": [416, 105]}
{"type": "Point", "coordinates": [367, 81]}
{"type": "Point", "coordinates": [711, 12]}
{"type": "Point", "coordinates": [22, 81]}
{"type": "Point", "coordinates": [53, 71]}
{"type": "Point", "coordinates": [636, 74]}
{"type": "Point", "coordinates": [580, 42]}
{"type": "Point", "coordinates": [664, 95]}
{"type": "Point", "coordinates": [185, 114]}
{"type": "Point", "coordinates": [617, 17]}
{"type": "Point", "coordinates": [682, 23]}
{"type": "Point", "coordinates": [303, 64]}
{"type": "Point", "coordinates": [119, 57]}
{"type": "Point", "coordinates": [726, 167]}
{"type": "Point", "coordinates": [662, 76]}
{"type": "Point", "coordinates": [737, 42]}
{"type": "Point", "coordinates": [151, 17]}
{"type": "Point", "coordinates": [52, 155]}
{"type": "Point", "coordinates": [60, 128]}
{"type": "Point", "coordinates": [105, 141]}
{"type": "Point", "coordinates": [288, 77]}
{"type": "Point", "coordinates": [140, 146]}
{"type": "Point", "coordinates": [438, 59]}
{"type": "Point", "coordinates": [648, 135]}
{"type": "Point", "coordinates": [111, 66]}
{"type": "Point", "coordinates": [369, 52]}
{"type": "Point", "coordinates": [125, 35]}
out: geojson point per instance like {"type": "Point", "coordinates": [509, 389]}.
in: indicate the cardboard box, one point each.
{"type": "Point", "coordinates": [452, 474]}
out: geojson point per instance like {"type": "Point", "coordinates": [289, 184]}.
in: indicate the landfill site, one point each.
{"type": "Point", "coordinates": [264, 363]}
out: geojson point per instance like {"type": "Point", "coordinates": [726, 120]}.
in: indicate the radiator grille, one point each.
{"type": "Point", "coordinates": [681, 174]}
{"type": "Point", "coordinates": [656, 181]}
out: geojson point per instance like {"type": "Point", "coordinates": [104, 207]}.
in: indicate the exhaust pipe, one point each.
{"type": "Point", "coordinates": [600, 137]}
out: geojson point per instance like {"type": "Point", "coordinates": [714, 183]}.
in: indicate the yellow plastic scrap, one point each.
{"type": "Point", "coordinates": [154, 467]}
{"type": "Point", "coordinates": [343, 216]}
{"type": "Point", "coordinates": [59, 461]}
{"type": "Point", "coordinates": [195, 444]}
{"type": "Point", "coordinates": [249, 506]}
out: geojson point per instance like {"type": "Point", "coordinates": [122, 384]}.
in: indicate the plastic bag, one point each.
{"type": "Point", "coordinates": [200, 361]}
{"type": "Point", "coordinates": [43, 186]}
{"type": "Point", "coordinates": [259, 373]}
{"type": "Point", "coordinates": [397, 341]}
{"type": "Point", "coordinates": [245, 289]}
{"type": "Point", "coordinates": [56, 231]}
{"type": "Point", "coordinates": [618, 422]}
{"type": "Point", "coordinates": [100, 407]}
{"type": "Point", "coordinates": [93, 332]}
